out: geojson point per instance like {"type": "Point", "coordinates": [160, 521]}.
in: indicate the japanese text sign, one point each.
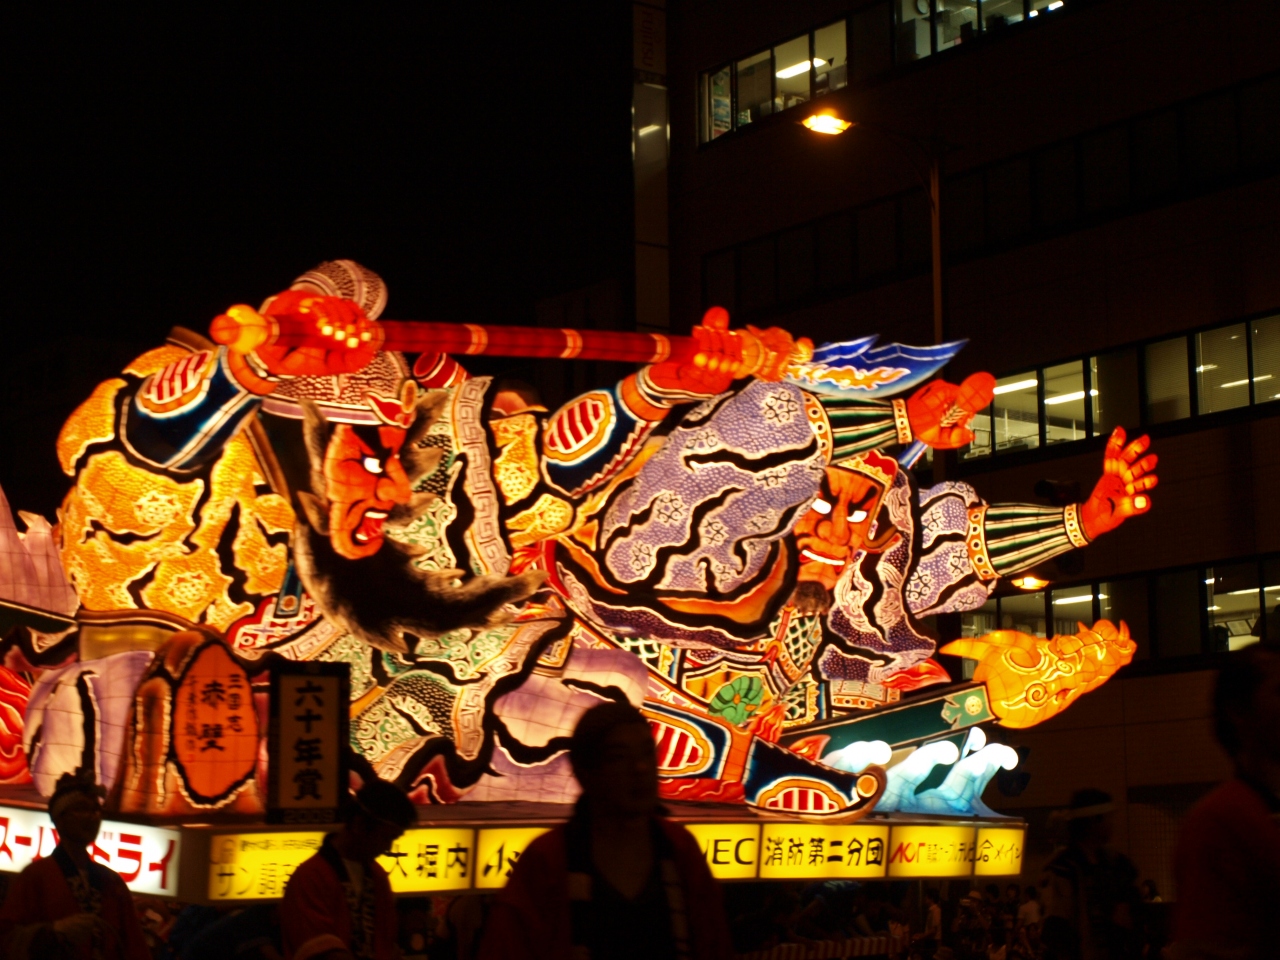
{"type": "Point", "coordinates": [427, 860]}
{"type": "Point", "coordinates": [308, 742]}
{"type": "Point", "coordinates": [497, 850]}
{"type": "Point", "coordinates": [256, 866]}
{"type": "Point", "coordinates": [801, 851]}
{"type": "Point", "coordinates": [999, 851]}
{"type": "Point", "coordinates": [145, 857]}
{"type": "Point", "coordinates": [215, 728]}
{"type": "Point", "coordinates": [931, 851]}
{"type": "Point", "coordinates": [732, 849]}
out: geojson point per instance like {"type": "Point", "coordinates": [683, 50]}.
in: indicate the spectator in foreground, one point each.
{"type": "Point", "coordinates": [67, 904]}
{"type": "Point", "coordinates": [1090, 891]}
{"type": "Point", "coordinates": [618, 880]}
{"type": "Point", "coordinates": [317, 916]}
{"type": "Point", "coordinates": [1228, 859]}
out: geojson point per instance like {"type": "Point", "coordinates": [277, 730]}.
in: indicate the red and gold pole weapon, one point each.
{"type": "Point", "coordinates": [471, 339]}
{"type": "Point", "coordinates": [244, 329]}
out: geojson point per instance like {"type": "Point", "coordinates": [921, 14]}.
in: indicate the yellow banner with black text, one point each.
{"type": "Point", "coordinates": [256, 866]}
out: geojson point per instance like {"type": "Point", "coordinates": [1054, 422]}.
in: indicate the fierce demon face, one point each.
{"type": "Point", "coordinates": [837, 525]}
{"type": "Point", "coordinates": [364, 482]}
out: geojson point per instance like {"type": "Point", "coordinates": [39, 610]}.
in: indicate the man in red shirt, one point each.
{"type": "Point", "coordinates": [338, 904]}
{"type": "Point", "coordinates": [618, 881]}
{"type": "Point", "coordinates": [68, 905]}
{"type": "Point", "coordinates": [1228, 859]}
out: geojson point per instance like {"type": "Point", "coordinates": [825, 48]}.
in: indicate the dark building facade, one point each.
{"type": "Point", "coordinates": [1111, 231]}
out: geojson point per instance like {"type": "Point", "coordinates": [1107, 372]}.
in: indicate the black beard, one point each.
{"type": "Point", "coordinates": [382, 597]}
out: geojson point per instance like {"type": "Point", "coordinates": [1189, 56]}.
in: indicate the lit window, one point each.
{"type": "Point", "coordinates": [1024, 613]}
{"type": "Point", "coordinates": [1113, 379]}
{"type": "Point", "coordinates": [913, 40]}
{"type": "Point", "coordinates": [717, 104]}
{"type": "Point", "coordinates": [1222, 369]}
{"type": "Point", "coordinates": [830, 60]}
{"type": "Point", "coordinates": [792, 67]}
{"type": "Point", "coordinates": [956, 21]}
{"type": "Point", "coordinates": [1015, 423]}
{"type": "Point", "coordinates": [997, 14]}
{"type": "Point", "coordinates": [1266, 359]}
{"type": "Point", "coordinates": [1071, 606]}
{"type": "Point", "coordinates": [1232, 599]}
{"type": "Point", "coordinates": [1168, 392]}
{"type": "Point", "coordinates": [1064, 403]}
{"type": "Point", "coordinates": [755, 88]}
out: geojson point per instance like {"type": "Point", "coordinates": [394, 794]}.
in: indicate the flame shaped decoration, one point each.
{"type": "Point", "coordinates": [859, 366]}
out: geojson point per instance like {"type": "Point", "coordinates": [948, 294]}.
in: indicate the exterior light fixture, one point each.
{"type": "Point", "coordinates": [826, 123]}
{"type": "Point", "coordinates": [786, 73]}
{"type": "Point", "coordinates": [1029, 582]}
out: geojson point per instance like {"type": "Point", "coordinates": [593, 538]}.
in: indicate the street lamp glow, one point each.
{"type": "Point", "coordinates": [1029, 582]}
{"type": "Point", "coordinates": [826, 123]}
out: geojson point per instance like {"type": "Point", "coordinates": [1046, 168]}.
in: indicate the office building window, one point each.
{"type": "Point", "coordinates": [830, 59]}
{"type": "Point", "coordinates": [1260, 122]}
{"type": "Point", "coordinates": [977, 623]}
{"type": "Point", "coordinates": [835, 251]}
{"type": "Point", "coordinates": [913, 39]}
{"type": "Point", "coordinates": [1211, 136]}
{"type": "Point", "coordinates": [1064, 403]}
{"type": "Point", "coordinates": [795, 264]}
{"type": "Point", "coordinates": [1222, 369]}
{"type": "Point", "coordinates": [717, 104]}
{"type": "Point", "coordinates": [1009, 200]}
{"type": "Point", "coordinates": [1071, 606]}
{"type": "Point", "coordinates": [1001, 13]}
{"type": "Point", "coordinates": [1265, 340]}
{"type": "Point", "coordinates": [768, 82]}
{"type": "Point", "coordinates": [758, 275]}
{"type": "Point", "coordinates": [755, 87]}
{"type": "Point", "coordinates": [1177, 609]}
{"type": "Point", "coordinates": [877, 239]}
{"type": "Point", "coordinates": [1038, 7]}
{"type": "Point", "coordinates": [1024, 612]}
{"type": "Point", "coordinates": [1271, 601]}
{"type": "Point", "coordinates": [870, 33]}
{"type": "Point", "coordinates": [1056, 185]}
{"type": "Point", "coordinates": [1104, 170]}
{"type": "Point", "coordinates": [1155, 155]}
{"type": "Point", "coordinates": [1128, 601]}
{"type": "Point", "coordinates": [1014, 411]}
{"type": "Point", "coordinates": [1168, 390]}
{"type": "Point", "coordinates": [1233, 603]}
{"type": "Point", "coordinates": [720, 281]}
{"type": "Point", "coordinates": [1114, 390]}
{"type": "Point", "coordinates": [955, 21]}
{"type": "Point", "coordinates": [792, 73]}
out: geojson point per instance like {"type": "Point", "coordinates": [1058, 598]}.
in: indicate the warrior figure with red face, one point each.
{"type": "Point", "coordinates": [749, 541]}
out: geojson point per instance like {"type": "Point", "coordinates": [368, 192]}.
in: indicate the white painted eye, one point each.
{"type": "Point", "coordinates": [822, 507]}
{"type": "Point", "coordinates": [372, 464]}
{"type": "Point", "coordinates": [858, 516]}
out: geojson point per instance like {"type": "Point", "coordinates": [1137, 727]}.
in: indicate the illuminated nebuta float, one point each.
{"type": "Point", "coordinates": [728, 538]}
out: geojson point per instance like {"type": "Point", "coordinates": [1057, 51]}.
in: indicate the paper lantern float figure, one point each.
{"type": "Point", "coordinates": [37, 607]}
{"type": "Point", "coordinates": [682, 516]}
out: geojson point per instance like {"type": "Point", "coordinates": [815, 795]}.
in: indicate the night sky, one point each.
{"type": "Point", "coordinates": [162, 165]}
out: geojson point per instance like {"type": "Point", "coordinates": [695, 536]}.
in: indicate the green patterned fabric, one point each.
{"type": "Point", "coordinates": [1019, 536]}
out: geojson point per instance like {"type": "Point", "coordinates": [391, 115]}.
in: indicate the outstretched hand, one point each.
{"type": "Point", "coordinates": [1121, 493]}
{"type": "Point", "coordinates": [940, 412]}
